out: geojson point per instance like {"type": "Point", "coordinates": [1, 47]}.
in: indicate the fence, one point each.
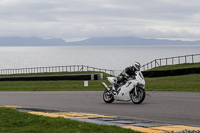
{"type": "Point", "coordinates": [80, 68]}
{"type": "Point", "coordinates": [72, 68]}
{"type": "Point", "coordinates": [194, 58]}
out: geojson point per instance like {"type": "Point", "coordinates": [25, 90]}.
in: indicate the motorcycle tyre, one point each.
{"type": "Point", "coordinates": [141, 100]}
{"type": "Point", "coordinates": [110, 100]}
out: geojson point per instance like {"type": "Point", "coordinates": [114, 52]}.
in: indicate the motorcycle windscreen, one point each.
{"type": "Point", "coordinates": [111, 79]}
{"type": "Point", "coordinates": [139, 77]}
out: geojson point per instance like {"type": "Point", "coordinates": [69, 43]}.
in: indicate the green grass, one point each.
{"type": "Point", "coordinates": [174, 83]}
{"type": "Point", "coordinates": [12, 121]}
{"type": "Point", "coordinates": [62, 85]}
{"type": "Point", "coordinates": [179, 66]}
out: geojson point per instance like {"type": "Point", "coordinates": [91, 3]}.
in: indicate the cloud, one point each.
{"type": "Point", "coordinates": [93, 18]}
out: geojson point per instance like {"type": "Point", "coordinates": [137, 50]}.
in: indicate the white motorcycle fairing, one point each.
{"type": "Point", "coordinates": [123, 92]}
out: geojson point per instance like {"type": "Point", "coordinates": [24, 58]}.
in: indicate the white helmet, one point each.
{"type": "Point", "coordinates": [137, 66]}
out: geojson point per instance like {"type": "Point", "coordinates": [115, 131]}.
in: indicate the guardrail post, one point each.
{"type": "Point", "coordinates": [192, 58]}
{"type": "Point", "coordinates": [82, 68]}
{"type": "Point", "coordinates": [143, 68]}
{"type": "Point", "coordinates": [160, 63]}
{"type": "Point", "coordinates": [185, 60]}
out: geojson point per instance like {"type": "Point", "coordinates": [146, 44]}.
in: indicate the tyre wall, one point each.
{"type": "Point", "coordinates": [54, 77]}
{"type": "Point", "coordinates": [171, 72]}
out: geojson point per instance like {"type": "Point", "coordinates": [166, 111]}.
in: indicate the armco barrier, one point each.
{"type": "Point", "coordinates": [194, 58]}
{"type": "Point", "coordinates": [171, 72]}
{"type": "Point", "coordinates": [54, 77]}
{"type": "Point", "coordinates": [53, 69]}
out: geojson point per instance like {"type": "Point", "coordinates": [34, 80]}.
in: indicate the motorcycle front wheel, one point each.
{"type": "Point", "coordinates": [139, 98]}
{"type": "Point", "coordinates": [108, 97]}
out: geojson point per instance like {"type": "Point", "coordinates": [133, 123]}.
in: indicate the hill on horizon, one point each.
{"type": "Point", "coordinates": [131, 41]}
{"type": "Point", "coordinates": [31, 41]}
{"type": "Point", "coordinates": [35, 41]}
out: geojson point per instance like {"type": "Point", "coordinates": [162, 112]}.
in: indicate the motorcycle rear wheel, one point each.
{"type": "Point", "coordinates": [108, 97]}
{"type": "Point", "coordinates": [139, 98]}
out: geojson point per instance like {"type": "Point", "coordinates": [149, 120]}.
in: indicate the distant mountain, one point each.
{"type": "Point", "coordinates": [34, 41]}
{"type": "Point", "coordinates": [131, 41]}
{"type": "Point", "coordinates": [31, 41]}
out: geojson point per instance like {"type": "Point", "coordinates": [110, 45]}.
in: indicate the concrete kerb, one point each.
{"type": "Point", "coordinates": [134, 124]}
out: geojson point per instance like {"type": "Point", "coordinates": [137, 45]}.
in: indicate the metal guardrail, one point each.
{"type": "Point", "coordinates": [194, 58]}
{"type": "Point", "coordinates": [72, 68]}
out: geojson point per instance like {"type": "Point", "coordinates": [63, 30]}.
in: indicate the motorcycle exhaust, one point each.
{"type": "Point", "coordinates": [107, 88]}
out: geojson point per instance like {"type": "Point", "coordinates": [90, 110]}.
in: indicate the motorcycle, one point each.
{"type": "Point", "coordinates": [132, 89]}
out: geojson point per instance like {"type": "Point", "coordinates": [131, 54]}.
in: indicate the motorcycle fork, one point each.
{"type": "Point", "coordinates": [135, 90]}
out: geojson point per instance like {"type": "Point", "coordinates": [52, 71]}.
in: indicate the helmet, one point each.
{"type": "Point", "coordinates": [137, 66]}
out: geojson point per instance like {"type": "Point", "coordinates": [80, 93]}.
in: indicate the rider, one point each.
{"type": "Point", "coordinates": [126, 73]}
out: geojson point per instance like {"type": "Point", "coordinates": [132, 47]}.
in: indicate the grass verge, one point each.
{"type": "Point", "coordinates": [62, 85]}
{"type": "Point", "coordinates": [189, 83]}
{"type": "Point", "coordinates": [173, 83]}
{"type": "Point", "coordinates": [12, 121]}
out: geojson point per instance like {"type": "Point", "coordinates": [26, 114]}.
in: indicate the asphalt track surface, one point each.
{"type": "Point", "coordinates": [169, 107]}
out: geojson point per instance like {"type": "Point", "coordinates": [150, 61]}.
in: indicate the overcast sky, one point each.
{"type": "Point", "coordinates": [70, 19]}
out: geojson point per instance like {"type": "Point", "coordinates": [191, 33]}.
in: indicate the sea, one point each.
{"type": "Point", "coordinates": [105, 57]}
